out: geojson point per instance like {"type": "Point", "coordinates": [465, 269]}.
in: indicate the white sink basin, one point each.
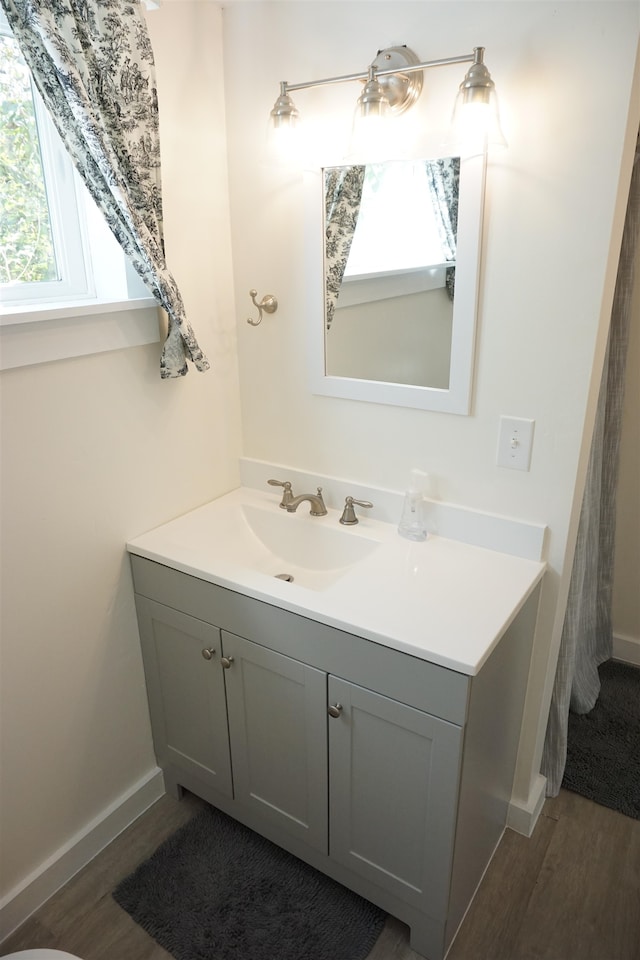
{"type": "Point", "coordinates": [246, 534]}
{"type": "Point", "coordinates": [297, 547]}
{"type": "Point", "coordinates": [306, 541]}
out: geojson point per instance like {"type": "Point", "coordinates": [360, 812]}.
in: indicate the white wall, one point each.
{"type": "Point", "coordinates": [414, 348]}
{"type": "Point", "coordinates": [96, 450]}
{"type": "Point", "coordinates": [554, 213]}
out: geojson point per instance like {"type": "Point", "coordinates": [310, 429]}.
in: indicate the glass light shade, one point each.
{"type": "Point", "coordinates": [476, 122]}
{"type": "Point", "coordinates": [476, 118]}
{"type": "Point", "coordinates": [372, 122]}
{"type": "Point", "coordinates": [284, 113]}
{"type": "Point", "coordinates": [283, 131]}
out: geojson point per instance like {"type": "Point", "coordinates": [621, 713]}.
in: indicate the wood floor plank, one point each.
{"type": "Point", "coordinates": [80, 896]}
{"type": "Point", "coordinates": [60, 923]}
{"type": "Point", "coordinates": [108, 932]}
{"type": "Point", "coordinates": [571, 892]}
{"type": "Point", "coordinates": [393, 943]}
{"type": "Point", "coordinates": [492, 924]}
{"type": "Point", "coordinates": [31, 935]}
{"type": "Point", "coordinates": [586, 902]}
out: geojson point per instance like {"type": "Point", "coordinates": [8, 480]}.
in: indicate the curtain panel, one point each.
{"type": "Point", "coordinates": [587, 633]}
{"type": "Point", "coordinates": [443, 177]}
{"type": "Point", "coordinates": [343, 196]}
{"type": "Point", "coordinates": [92, 63]}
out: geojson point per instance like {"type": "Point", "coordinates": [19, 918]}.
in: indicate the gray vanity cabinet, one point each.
{"type": "Point", "coordinates": [388, 772]}
{"type": "Point", "coordinates": [277, 729]}
{"type": "Point", "coordinates": [185, 688]}
{"type": "Point", "coordinates": [393, 776]}
{"type": "Point", "coordinates": [218, 701]}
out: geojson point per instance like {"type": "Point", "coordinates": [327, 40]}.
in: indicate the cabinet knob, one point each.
{"type": "Point", "coordinates": [208, 652]}
{"type": "Point", "coordinates": [226, 662]}
{"type": "Point", "coordinates": [335, 710]}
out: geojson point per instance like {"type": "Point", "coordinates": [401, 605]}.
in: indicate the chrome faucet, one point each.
{"type": "Point", "coordinates": [318, 508]}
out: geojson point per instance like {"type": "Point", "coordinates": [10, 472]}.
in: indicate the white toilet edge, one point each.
{"type": "Point", "coordinates": [39, 954]}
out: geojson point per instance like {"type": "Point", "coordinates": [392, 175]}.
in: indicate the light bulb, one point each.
{"type": "Point", "coordinates": [476, 119]}
{"type": "Point", "coordinates": [283, 131]}
{"type": "Point", "coordinates": [371, 124]}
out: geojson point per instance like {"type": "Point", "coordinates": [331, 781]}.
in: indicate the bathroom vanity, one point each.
{"type": "Point", "coordinates": [367, 720]}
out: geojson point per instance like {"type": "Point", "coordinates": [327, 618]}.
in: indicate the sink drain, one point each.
{"type": "Point", "coordinates": [285, 576]}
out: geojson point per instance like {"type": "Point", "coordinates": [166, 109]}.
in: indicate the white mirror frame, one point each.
{"type": "Point", "coordinates": [455, 399]}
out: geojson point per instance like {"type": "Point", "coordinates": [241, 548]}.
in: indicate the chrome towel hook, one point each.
{"type": "Point", "coordinates": [268, 303]}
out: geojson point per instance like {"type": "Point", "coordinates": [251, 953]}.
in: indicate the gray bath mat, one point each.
{"type": "Point", "coordinates": [603, 749]}
{"type": "Point", "coordinates": [215, 890]}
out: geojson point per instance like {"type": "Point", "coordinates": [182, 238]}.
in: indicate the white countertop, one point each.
{"type": "Point", "coordinates": [439, 600]}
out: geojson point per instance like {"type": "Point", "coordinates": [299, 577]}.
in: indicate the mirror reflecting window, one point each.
{"type": "Point", "coordinates": [400, 253]}
{"type": "Point", "coordinates": [390, 254]}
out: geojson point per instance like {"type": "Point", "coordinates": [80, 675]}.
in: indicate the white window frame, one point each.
{"type": "Point", "coordinates": [88, 310]}
{"type": "Point", "coordinates": [68, 229]}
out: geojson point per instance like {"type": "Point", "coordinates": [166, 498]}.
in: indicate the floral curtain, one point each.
{"type": "Point", "coordinates": [92, 63]}
{"type": "Point", "coordinates": [587, 634]}
{"type": "Point", "coordinates": [443, 176]}
{"type": "Point", "coordinates": [343, 195]}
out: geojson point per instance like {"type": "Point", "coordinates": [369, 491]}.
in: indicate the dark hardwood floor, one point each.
{"type": "Point", "coordinates": [571, 892]}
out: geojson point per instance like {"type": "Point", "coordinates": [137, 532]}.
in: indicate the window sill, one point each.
{"type": "Point", "coordinates": [366, 287]}
{"type": "Point", "coordinates": [33, 334]}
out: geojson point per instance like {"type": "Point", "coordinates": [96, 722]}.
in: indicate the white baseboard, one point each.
{"type": "Point", "coordinates": [43, 882]}
{"type": "Point", "coordinates": [522, 817]}
{"type": "Point", "coordinates": [627, 649]}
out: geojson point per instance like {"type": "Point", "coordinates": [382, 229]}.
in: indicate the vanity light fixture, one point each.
{"type": "Point", "coordinates": [393, 83]}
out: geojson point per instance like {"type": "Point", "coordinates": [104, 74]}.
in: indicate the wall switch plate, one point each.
{"type": "Point", "coordinates": [514, 443]}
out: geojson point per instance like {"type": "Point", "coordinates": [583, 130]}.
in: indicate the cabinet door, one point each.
{"type": "Point", "coordinates": [278, 734]}
{"type": "Point", "coordinates": [185, 686]}
{"type": "Point", "coordinates": [393, 778]}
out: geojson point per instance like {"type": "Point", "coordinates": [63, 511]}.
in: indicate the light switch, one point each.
{"type": "Point", "coordinates": [514, 443]}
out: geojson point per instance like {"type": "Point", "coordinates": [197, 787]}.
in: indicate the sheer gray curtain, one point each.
{"type": "Point", "coordinates": [92, 63]}
{"type": "Point", "coordinates": [587, 636]}
{"type": "Point", "coordinates": [443, 177]}
{"type": "Point", "coordinates": [343, 196]}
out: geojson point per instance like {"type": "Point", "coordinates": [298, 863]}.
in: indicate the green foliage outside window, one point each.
{"type": "Point", "coordinates": [26, 244]}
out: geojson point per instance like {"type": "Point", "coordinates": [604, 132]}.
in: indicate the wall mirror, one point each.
{"type": "Point", "coordinates": [400, 257]}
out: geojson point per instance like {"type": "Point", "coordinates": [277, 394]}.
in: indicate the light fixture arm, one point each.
{"type": "Point", "coordinates": [286, 87]}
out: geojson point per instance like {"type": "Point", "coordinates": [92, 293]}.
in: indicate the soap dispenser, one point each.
{"type": "Point", "coordinates": [412, 525]}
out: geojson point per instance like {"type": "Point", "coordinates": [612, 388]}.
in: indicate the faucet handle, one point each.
{"type": "Point", "coordinates": [349, 514]}
{"type": "Point", "coordinates": [287, 493]}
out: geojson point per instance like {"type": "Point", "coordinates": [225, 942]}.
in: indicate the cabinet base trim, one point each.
{"type": "Point", "coordinates": [523, 816]}
{"type": "Point", "coordinates": [60, 867]}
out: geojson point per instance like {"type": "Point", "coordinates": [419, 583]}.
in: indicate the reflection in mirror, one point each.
{"type": "Point", "coordinates": [380, 357]}
{"type": "Point", "coordinates": [390, 261]}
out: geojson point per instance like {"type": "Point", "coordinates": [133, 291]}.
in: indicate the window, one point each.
{"type": "Point", "coordinates": [28, 252]}
{"type": "Point", "coordinates": [57, 255]}
{"type": "Point", "coordinates": [396, 228]}
{"type": "Point", "coordinates": [41, 247]}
